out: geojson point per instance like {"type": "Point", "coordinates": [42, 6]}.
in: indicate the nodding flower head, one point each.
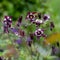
{"type": "Point", "coordinates": [19, 21]}
{"type": "Point", "coordinates": [51, 25]}
{"type": "Point", "coordinates": [30, 16]}
{"type": "Point", "coordinates": [7, 21]}
{"type": "Point", "coordinates": [46, 17]}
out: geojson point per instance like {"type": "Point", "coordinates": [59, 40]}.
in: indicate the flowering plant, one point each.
{"type": "Point", "coordinates": [26, 37]}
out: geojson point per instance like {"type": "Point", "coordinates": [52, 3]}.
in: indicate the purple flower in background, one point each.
{"type": "Point", "coordinates": [51, 25]}
{"type": "Point", "coordinates": [18, 41]}
{"type": "Point", "coordinates": [55, 51]}
{"type": "Point", "coordinates": [39, 33]}
{"type": "Point", "coordinates": [19, 21]}
{"type": "Point", "coordinates": [31, 36]}
{"type": "Point", "coordinates": [30, 16]}
{"type": "Point", "coordinates": [46, 17]}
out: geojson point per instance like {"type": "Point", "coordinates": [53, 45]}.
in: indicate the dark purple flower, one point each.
{"type": "Point", "coordinates": [18, 41]}
{"type": "Point", "coordinates": [39, 32]}
{"type": "Point", "coordinates": [46, 17]}
{"type": "Point", "coordinates": [51, 25]}
{"type": "Point", "coordinates": [30, 16]}
{"type": "Point", "coordinates": [7, 21]}
{"type": "Point", "coordinates": [19, 21]}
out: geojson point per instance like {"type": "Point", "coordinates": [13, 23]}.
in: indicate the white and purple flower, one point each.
{"type": "Point", "coordinates": [30, 16]}
{"type": "Point", "coordinates": [39, 33]}
{"type": "Point", "coordinates": [46, 17]}
{"type": "Point", "coordinates": [38, 22]}
{"type": "Point", "coordinates": [7, 23]}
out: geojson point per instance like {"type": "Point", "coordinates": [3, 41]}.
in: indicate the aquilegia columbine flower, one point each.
{"type": "Point", "coordinates": [38, 22]}
{"type": "Point", "coordinates": [40, 33]}
{"type": "Point", "coordinates": [30, 16]}
{"type": "Point", "coordinates": [46, 17]}
{"type": "Point", "coordinates": [7, 23]}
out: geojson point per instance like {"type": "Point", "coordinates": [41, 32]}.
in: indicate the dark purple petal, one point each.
{"type": "Point", "coordinates": [51, 25]}
{"type": "Point", "coordinates": [30, 16]}
{"type": "Point", "coordinates": [19, 21]}
{"type": "Point", "coordinates": [43, 35]}
{"type": "Point", "coordinates": [46, 17]}
{"type": "Point", "coordinates": [29, 43]}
